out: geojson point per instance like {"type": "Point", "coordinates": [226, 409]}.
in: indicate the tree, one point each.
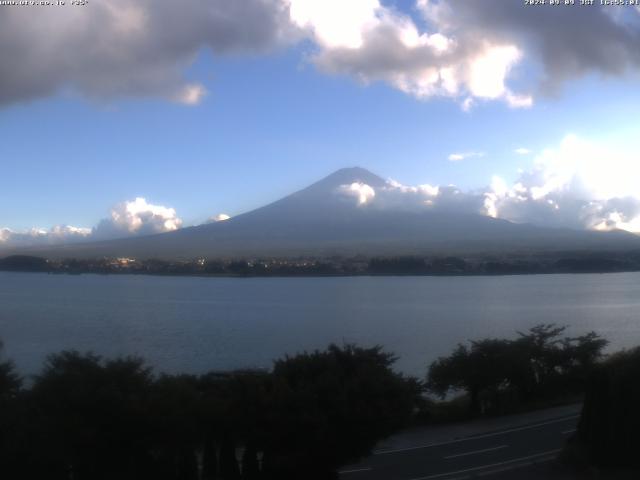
{"type": "Point", "coordinates": [10, 381]}
{"type": "Point", "coordinates": [541, 347]}
{"type": "Point", "coordinates": [610, 420]}
{"type": "Point", "coordinates": [483, 367]}
{"type": "Point", "coordinates": [331, 407]}
{"type": "Point", "coordinates": [175, 412]}
{"type": "Point", "coordinates": [555, 363]}
{"type": "Point", "coordinates": [539, 363]}
{"type": "Point", "coordinates": [234, 411]}
{"type": "Point", "coordinates": [582, 354]}
{"type": "Point", "coordinates": [90, 418]}
{"type": "Point", "coordinates": [10, 389]}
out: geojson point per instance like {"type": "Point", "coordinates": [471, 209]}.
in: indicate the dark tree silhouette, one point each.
{"type": "Point", "coordinates": [10, 388]}
{"type": "Point", "coordinates": [87, 418]}
{"type": "Point", "coordinates": [332, 407]}
{"type": "Point", "coordinates": [485, 366]}
{"type": "Point", "coordinates": [91, 418]}
{"type": "Point", "coordinates": [10, 381]}
{"type": "Point", "coordinates": [610, 420]}
{"type": "Point", "coordinates": [539, 363]}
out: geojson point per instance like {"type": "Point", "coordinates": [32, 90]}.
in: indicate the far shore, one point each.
{"type": "Point", "coordinates": [355, 266]}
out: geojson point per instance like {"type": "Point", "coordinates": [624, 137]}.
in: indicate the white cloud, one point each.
{"type": "Point", "coordinates": [374, 42]}
{"type": "Point", "coordinates": [398, 197]}
{"type": "Point", "coordinates": [361, 191]}
{"type": "Point", "coordinates": [518, 101]}
{"type": "Point", "coordinates": [5, 234]}
{"type": "Point", "coordinates": [42, 236]}
{"type": "Point", "coordinates": [522, 151]}
{"type": "Point", "coordinates": [137, 217]}
{"type": "Point", "coordinates": [221, 217]}
{"type": "Point", "coordinates": [191, 94]}
{"type": "Point", "coordinates": [467, 50]}
{"type": "Point", "coordinates": [333, 30]}
{"type": "Point", "coordinates": [130, 218]}
{"type": "Point", "coordinates": [457, 157]}
{"type": "Point", "coordinates": [579, 183]}
{"type": "Point", "coordinates": [487, 72]}
{"type": "Point", "coordinates": [467, 104]}
{"type": "Point", "coordinates": [64, 231]}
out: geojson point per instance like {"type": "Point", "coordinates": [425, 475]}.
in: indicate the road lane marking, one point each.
{"type": "Point", "coordinates": [483, 467]}
{"type": "Point", "coordinates": [476, 451]}
{"type": "Point", "coordinates": [567, 432]}
{"type": "Point", "coordinates": [355, 470]}
{"type": "Point", "coordinates": [476, 437]}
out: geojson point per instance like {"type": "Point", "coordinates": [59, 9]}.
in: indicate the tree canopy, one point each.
{"type": "Point", "coordinates": [610, 420]}
{"type": "Point", "coordinates": [537, 363]}
{"type": "Point", "coordinates": [86, 417]}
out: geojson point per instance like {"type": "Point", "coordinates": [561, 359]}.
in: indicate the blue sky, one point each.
{"type": "Point", "coordinates": [274, 121]}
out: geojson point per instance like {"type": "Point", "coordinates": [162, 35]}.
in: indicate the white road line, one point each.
{"type": "Point", "coordinates": [476, 451]}
{"type": "Point", "coordinates": [567, 432]}
{"type": "Point", "coordinates": [476, 437]}
{"type": "Point", "coordinates": [483, 467]}
{"type": "Point", "coordinates": [355, 470]}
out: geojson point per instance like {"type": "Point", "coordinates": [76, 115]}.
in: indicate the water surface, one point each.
{"type": "Point", "coordinates": [194, 324]}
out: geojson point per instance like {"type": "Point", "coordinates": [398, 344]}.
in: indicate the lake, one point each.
{"type": "Point", "coordinates": [194, 324]}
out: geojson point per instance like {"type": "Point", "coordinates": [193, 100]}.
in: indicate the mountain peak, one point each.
{"type": "Point", "coordinates": [321, 198]}
{"type": "Point", "coordinates": [347, 176]}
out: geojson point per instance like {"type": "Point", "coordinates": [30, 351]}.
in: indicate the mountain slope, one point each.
{"type": "Point", "coordinates": [318, 221]}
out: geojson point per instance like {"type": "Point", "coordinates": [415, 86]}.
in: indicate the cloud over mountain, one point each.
{"type": "Point", "coordinates": [578, 184]}
{"type": "Point", "coordinates": [361, 191]}
{"type": "Point", "coordinates": [395, 196]}
{"type": "Point", "coordinates": [221, 217]}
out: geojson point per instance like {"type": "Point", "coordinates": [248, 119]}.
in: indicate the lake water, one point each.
{"type": "Point", "coordinates": [195, 324]}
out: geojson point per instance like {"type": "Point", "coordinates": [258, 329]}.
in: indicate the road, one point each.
{"type": "Point", "coordinates": [478, 454]}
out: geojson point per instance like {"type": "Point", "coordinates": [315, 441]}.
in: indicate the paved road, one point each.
{"type": "Point", "coordinates": [470, 456]}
